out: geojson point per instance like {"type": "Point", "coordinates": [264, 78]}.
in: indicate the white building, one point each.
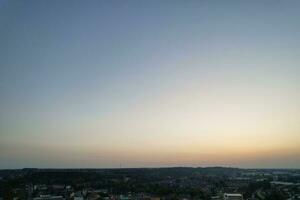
{"type": "Point", "coordinates": [235, 196]}
{"type": "Point", "coordinates": [49, 197]}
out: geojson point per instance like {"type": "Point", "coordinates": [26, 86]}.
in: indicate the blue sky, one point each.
{"type": "Point", "coordinates": [149, 83]}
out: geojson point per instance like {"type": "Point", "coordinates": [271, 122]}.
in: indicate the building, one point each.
{"type": "Point", "coordinates": [235, 196]}
{"type": "Point", "coordinates": [49, 197]}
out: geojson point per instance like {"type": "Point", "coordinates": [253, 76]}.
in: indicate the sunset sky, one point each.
{"type": "Point", "coordinates": [150, 83]}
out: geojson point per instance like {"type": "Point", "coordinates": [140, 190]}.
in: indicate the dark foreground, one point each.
{"type": "Point", "coordinates": [150, 184]}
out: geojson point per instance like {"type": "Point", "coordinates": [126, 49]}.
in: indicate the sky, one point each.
{"type": "Point", "coordinates": [99, 84]}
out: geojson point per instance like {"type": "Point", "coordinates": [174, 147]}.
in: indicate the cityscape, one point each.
{"type": "Point", "coordinates": [149, 99]}
{"type": "Point", "coordinates": [212, 183]}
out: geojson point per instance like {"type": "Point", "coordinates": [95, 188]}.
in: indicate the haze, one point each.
{"type": "Point", "coordinates": [149, 83]}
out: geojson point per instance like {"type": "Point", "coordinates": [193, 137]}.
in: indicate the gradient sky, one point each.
{"type": "Point", "coordinates": [149, 83]}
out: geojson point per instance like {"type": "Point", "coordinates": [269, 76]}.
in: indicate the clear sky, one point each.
{"type": "Point", "coordinates": [149, 83]}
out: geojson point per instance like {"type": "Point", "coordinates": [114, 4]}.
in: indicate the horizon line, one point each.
{"type": "Point", "coordinates": [162, 167]}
